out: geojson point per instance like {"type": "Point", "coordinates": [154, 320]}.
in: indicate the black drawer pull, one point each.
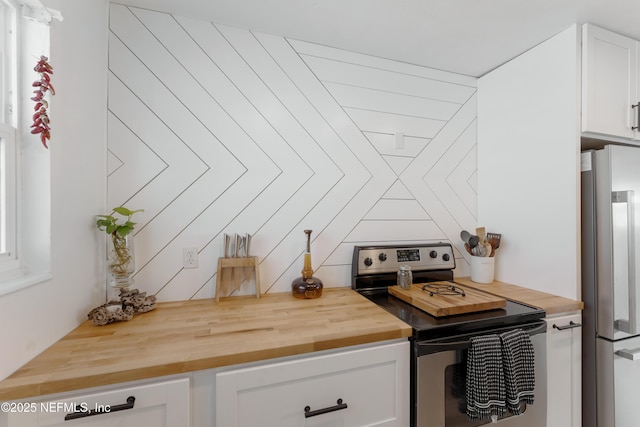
{"type": "Point", "coordinates": [571, 325]}
{"type": "Point", "coordinates": [80, 413]}
{"type": "Point", "coordinates": [637, 126]}
{"type": "Point", "coordinates": [309, 413]}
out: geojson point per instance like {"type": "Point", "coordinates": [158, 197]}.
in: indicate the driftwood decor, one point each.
{"type": "Point", "coordinates": [131, 302]}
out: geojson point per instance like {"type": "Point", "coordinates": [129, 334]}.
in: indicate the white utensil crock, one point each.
{"type": "Point", "coordinates": [482, 269]}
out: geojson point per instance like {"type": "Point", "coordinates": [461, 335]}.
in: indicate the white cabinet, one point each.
{"type": "Point", "coordinates": [609, 83]}
{"type": "Point", "coordinates": [363, 387]}
{"type": "Point", "coordinates": [372, 380]}
{"type": "Point", "coordinates": [163, 404]}
{"type": "Point", "coordinates": [564, 372]}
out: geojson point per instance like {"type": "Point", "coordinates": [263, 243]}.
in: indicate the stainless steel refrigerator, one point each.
{"type": "Point", "coordinates": [611, 286]}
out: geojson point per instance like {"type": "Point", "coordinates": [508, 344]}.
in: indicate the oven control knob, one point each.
{"type": "Point", "coordinates": [445, 257]}
{"type": "Point", "coordinates": [382, 257]}
{"type": "Point", "coordinates": [368, 262]}
{"type": "Point", "coordinates": [433, 254]}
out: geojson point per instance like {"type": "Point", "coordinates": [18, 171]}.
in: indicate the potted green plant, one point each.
{"type": "Point", "coordinates": [120, 253]}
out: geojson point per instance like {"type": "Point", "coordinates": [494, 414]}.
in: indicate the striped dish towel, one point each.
{"type": "Point", "coordinates": [485, 378]}
{"type": "Point", "coordinates": [519, 371]}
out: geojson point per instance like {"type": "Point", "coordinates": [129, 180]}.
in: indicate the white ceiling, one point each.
{"type": "Point", "coordinates": [464, 36]}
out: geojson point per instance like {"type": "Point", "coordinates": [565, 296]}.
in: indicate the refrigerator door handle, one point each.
{"type": "Point", "coordinates": [632, 355]}
{"type": "Point", "coordinates": [629, 326]}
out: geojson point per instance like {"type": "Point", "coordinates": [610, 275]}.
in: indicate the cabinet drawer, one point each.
{"type": "Point", "coordinates": [158, 404]}
{"type": "Point", "coordinates": [366, 387]}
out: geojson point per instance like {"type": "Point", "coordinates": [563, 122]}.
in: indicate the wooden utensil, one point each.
{"type": "Point", "coordinates": [468, 248]}
{"type": "Point", "coordinates": [482, 235]}
{"type": "Point", "coordinates": [494, 245]}
{"type": "Point", "coordinates": [496, 237]}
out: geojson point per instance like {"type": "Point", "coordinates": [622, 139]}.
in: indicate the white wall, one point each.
{"type": "Point", "coordinates": [528, 158]}
{"type": "Point", "coordinates": [215, 129]}
{"type": "Point", "coordinates": [33, 318]}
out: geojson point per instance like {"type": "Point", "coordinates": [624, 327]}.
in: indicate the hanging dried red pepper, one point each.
{"type": "Point", "coordinates": [41, 118]}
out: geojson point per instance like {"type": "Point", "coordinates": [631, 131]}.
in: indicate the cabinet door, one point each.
{"type": "Point", "coordinates": [564, 371]}
{"type": "Point", "coordinates": [159, 404]}
{"type": "Point", "coordinates": [366, 387]}
{"type": "Point", "coordinates": [609, 82]}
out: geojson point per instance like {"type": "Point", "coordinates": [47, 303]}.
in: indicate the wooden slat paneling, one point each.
{"type": "Point", "coordinates": [375, 78]}
{"type": "Point", "coordinates": [215, 130]}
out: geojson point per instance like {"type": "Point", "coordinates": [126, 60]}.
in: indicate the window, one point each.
{"type": "Point", "coordinates": [8, 62]}
{"type": "Point", "coordinates": [25, 250]}
{"type": "Point", "coordinates": [8, 145]}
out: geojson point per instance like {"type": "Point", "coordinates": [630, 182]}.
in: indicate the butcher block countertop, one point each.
{"type": "Point", "coordinates": [551, 304]}
{"type": "Point", "coordinates": [179, 337]}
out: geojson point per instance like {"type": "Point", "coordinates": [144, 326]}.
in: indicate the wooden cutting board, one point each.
{"type": "Point", "coordinates": [447, 305]}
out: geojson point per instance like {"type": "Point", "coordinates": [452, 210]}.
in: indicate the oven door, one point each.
{"type": "Point", "coordinates": [440, 399]}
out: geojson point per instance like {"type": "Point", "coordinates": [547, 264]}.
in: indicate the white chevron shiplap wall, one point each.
{"type": "Point", "coordinates": [215, 129]}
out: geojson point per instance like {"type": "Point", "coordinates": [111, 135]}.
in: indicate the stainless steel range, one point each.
{"type": "Point", "coordinates": [439, 344]}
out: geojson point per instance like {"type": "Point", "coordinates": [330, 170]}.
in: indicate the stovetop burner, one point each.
{"type": "Point", "coordinates": [442, 289]}
{"type": "Point", "coordinates": [374, 269]}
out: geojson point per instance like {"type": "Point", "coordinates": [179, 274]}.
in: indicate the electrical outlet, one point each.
{"type": "Point", "coordinates": [190, 257]}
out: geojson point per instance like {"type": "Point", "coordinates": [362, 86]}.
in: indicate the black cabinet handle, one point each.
{"type": "Point", "coordinates": [637, 126]}
{"type": "Point", "coordinates": [571, 325]}
{"type": "Point", "coordinates": [80, 413]}
{"type": "Point", "coordinates": [309, 413]}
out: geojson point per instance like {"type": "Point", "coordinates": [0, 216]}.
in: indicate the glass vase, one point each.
{"type": "Point", "coordinates": [307, 286]}
{"type": "Point", "coordinates": [120, 260]}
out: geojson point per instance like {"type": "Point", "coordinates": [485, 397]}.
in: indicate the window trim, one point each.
{"type": "Point", "coordinates": [10, 264]}
{"type": "Point", "coordinates": [9, 206]}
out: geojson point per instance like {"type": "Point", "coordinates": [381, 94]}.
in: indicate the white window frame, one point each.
{"type": "Point", "coordinates": [30, 260]}
{"type": "Point", "coordinates": [8, 199]}
{"type": "Point", "coordinates": [9, 259]}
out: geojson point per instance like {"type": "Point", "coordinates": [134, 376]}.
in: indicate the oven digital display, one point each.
{"type": "Point", "coordinates": [405, 255]}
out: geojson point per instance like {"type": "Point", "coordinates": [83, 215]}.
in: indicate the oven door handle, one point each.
{"type": "Point", "coordinates": [426, 347]}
